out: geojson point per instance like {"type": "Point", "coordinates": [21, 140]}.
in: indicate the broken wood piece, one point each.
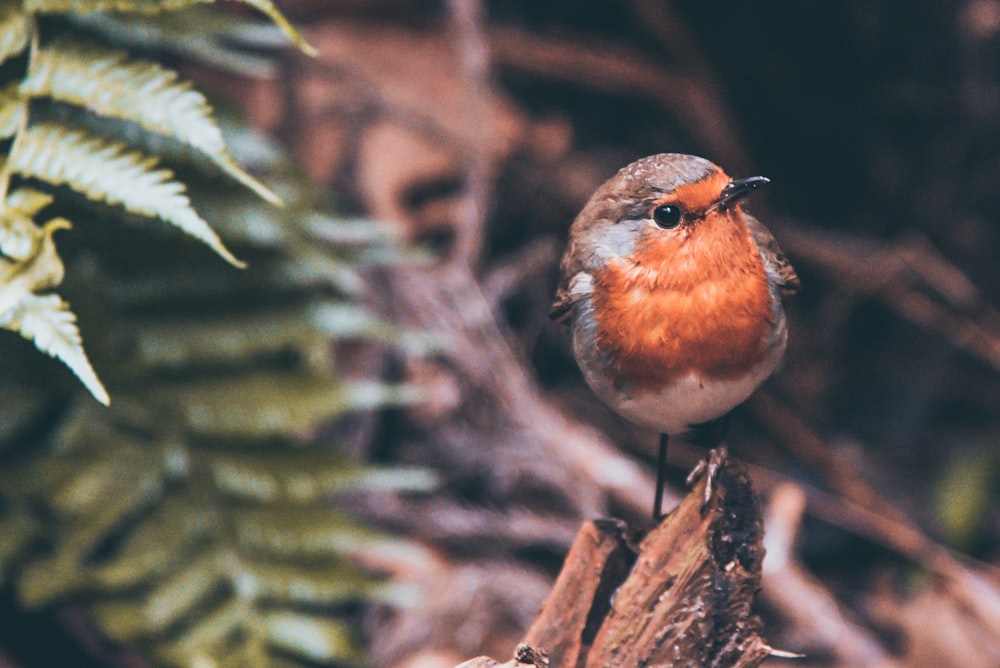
{"type": "Point", "coordinates": [525, 656]}
{"type": "Point", "coordinates": [599, 560]}
{"type": "Point", "coordinates": [681, 597]}
{"type": "Point", "coordinates": [487, 662]}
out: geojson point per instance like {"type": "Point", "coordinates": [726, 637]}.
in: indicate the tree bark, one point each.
{"type": "Point", "coordinates": [683, 596]}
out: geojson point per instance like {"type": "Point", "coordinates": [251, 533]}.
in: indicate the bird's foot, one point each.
{"type": "Point", "coordinates": [709, 467]}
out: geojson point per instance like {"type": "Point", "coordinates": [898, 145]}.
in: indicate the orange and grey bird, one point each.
{"type": "Point", "coordinates": [673, 294]}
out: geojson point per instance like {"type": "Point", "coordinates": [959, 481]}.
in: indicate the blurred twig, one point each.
{"type": "Point", "coordinates": [910, 277]}
{"type": "Point", "coordinates": [508, 275]}
{"type": "Point", "coordinates": [613, 68]}
{"type": "Point", "coordinates": [803, 599]}
{"type": "Point", "coordinates": [502, 406]}
{"type": "Point", "coordinates": [865, 512]}
{"type": "Point", "coordinates": [469, 35]}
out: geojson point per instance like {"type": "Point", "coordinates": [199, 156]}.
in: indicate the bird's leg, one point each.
{"type": "Point", "coordinates": [661, 478]}
{"type": "Point", "coordinates": [709, 467]}
{"type": "Point", "coordinates": [710, 435]}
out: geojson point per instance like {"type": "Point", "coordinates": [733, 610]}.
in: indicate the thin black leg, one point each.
{"type": "Point", "coordinates": [661, 478]}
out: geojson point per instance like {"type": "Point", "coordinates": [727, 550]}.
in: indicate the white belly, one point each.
{"type": "Point", "coordinates": [688, 401]}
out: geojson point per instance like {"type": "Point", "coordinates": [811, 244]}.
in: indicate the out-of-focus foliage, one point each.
{"type": "Point", "coordinates": [192, 518]}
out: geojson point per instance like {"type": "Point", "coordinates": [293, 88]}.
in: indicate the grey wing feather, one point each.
{"type": "Point", "coordinates": [779, 269]}
{"type": "Point", "coordinates": [569, 267]}
{"type": "Point", "coordinates": [561, 306]}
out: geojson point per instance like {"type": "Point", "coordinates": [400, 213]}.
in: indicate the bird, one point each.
{"type": "Point", "coordinates": [673, 294]}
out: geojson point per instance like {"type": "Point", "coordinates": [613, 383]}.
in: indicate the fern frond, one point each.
{"type": "Point", "coordinates": [67, 573]}
{"type": "Point", "coordinates": [314, 268]}
{"type": "Point", "coordinates": [353, 232]}
{"type": "Point", "coordinates": [331, 583]}
{"type": "Point", "coordinates": [270, 404]}
{"type": "Point", "coordinates": [28, 201]}
{"type": "Point", "coordinates": [46, 579]}
{"type": "Point", "coordinates": [309, 533]}
{"type": "Point", "coordinates": [89, 486]}
{"type": "Point", "coordinates": [171, 600]}
{"type": "Point", "coordinates": [177, 596]}
{"type": "Point", "coordinates": [310, 636]}
{"type": "Point", "coordinates": [307, 477]}
{"type": "Point", "coordinates": [199, 33]}
{"type": "Point", "coordinates": [47, 321]}
{"type": "Point", "coordinates": [43, 319]}
{"type": "Point", "coordinates": [108, 172]}
{"type": "Point", "coordinates": [13, 109]}
{"type": "Point", "coordinates": [40, 268]}
{"type": "Point", "coordinates": [19, 236]}
{"type": "Point", "coordinates": [168, 537]}
{"type": "Point", "coordinates": [242, 337]}
{"type": "Point", "coordinates": [87, 6]}
{"type": "Point", "coordinates": [194, 520]}
{"type": "Point", "coordinates": [156, 6]}
{"type": "Point", "coordinates": [121, 620]}
{"type": "Point", "coordinates": [229, 337]}
{"type": "Point", "coordinates": [16, 531]}
{"type": "Point", "coordinates": [109, 83]}
{"type": "Point", "coordinates": [202, 644]}
{"type": "Point", "coordinates": [143, 485]}
{"type": "Point", "coordinates": [350, 321]}
{"type": "Point", "coordinates": [267, 7]}
{"type": "Point", "coordinates": [15, 31]}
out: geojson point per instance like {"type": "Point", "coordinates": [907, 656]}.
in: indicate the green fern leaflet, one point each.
{"type": "Point", "coordinates": [109, 84]}
{"type": "Point", "coordinates": [195, 521]}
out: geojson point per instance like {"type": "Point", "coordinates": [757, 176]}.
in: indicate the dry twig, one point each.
{"type": "Point", "coordinates": [613, 68]}
{"type": "Point", "coordinates": [911, 278]}
{"type": "Point", "coordinates": [474, 68]}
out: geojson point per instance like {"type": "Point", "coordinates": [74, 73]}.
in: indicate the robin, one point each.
{"type": "Point", "coordinates": [673, 296]}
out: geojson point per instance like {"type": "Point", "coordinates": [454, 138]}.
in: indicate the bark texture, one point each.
{"type": "Point", "coordinates": [680, 596]}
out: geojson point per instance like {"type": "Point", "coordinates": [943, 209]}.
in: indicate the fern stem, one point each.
{"type": "Point", "coordinates": [22, 125]}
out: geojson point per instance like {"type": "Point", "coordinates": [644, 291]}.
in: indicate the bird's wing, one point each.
{"type": "Point", "coordinates": [571, 289]}
{"type": "Point", "coordinates": [561, 306]}
{"type": "Point", "coordinates": [570, 269]}
{"type": "Point", "coordinates": [779, 269]}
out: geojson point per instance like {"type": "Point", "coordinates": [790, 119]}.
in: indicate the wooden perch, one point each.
{"type": "Point", "coordinates": [680, 597]}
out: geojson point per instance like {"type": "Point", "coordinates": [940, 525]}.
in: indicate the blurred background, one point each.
{"type": "Point", "coordinates": [433, 156]}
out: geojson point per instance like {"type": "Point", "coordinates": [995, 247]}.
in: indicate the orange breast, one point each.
{"type": "Point", "coordinates": [693, 301]}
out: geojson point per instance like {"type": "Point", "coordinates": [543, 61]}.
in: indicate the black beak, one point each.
{"type": "Point", "coordinates": [737, 190]}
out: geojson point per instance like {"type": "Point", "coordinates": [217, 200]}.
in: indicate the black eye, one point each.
{"type": "Point", "coordinates": [667, 216]}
